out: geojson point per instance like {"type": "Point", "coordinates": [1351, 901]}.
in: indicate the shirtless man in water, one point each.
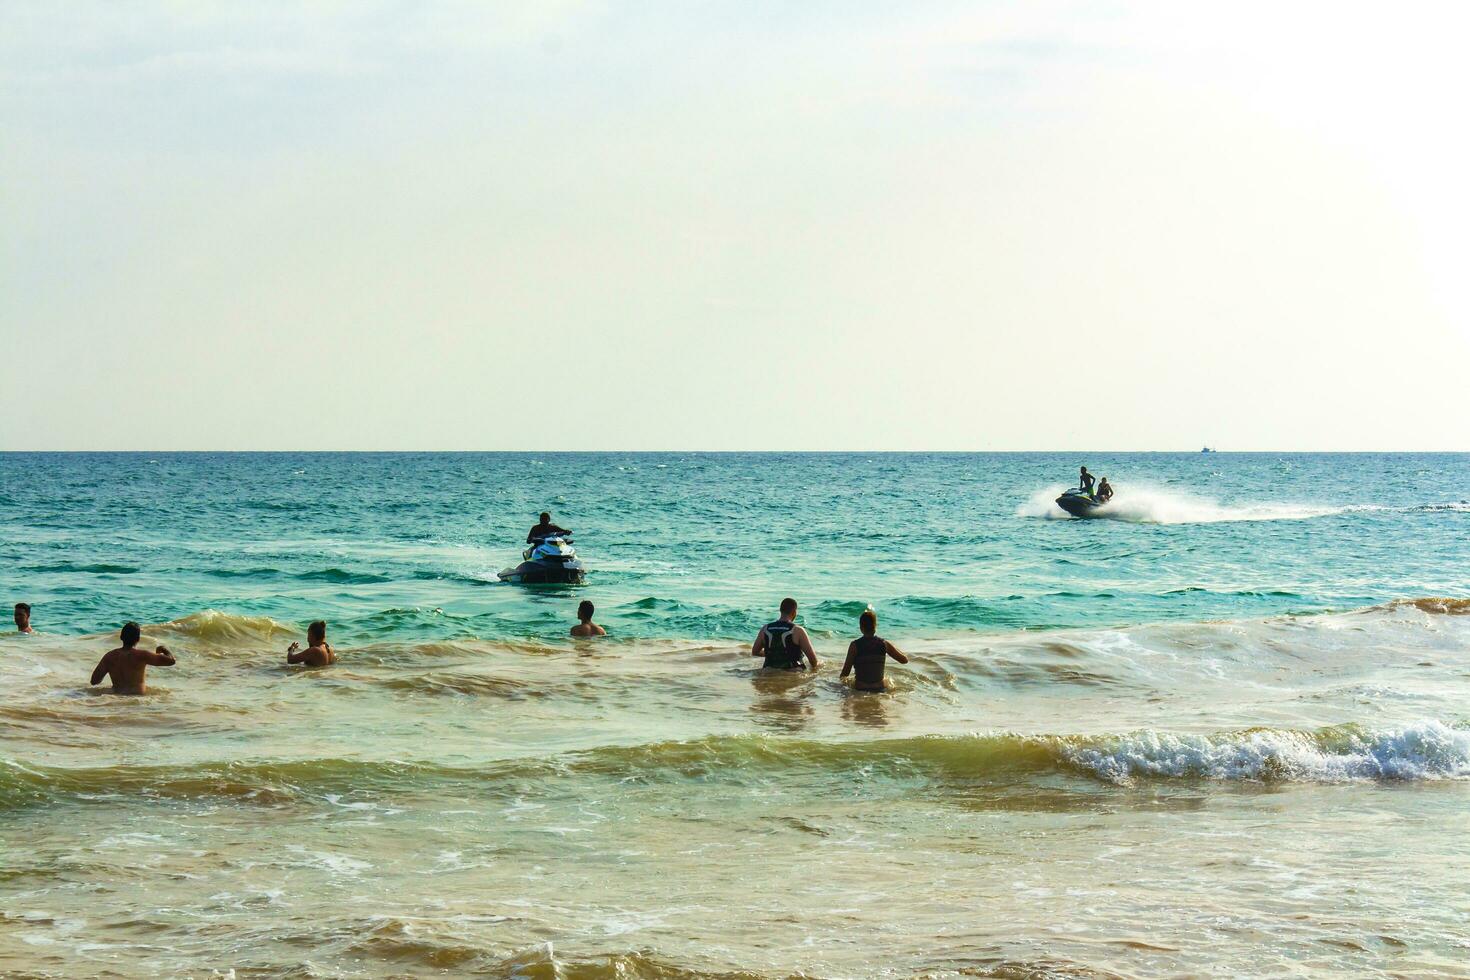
{"type": "Point", "coordinates": [127, 664]}
{"type": "Point", "coordinates": [318, 652]}
{"type": "Point", "coordinates": [585, 626]}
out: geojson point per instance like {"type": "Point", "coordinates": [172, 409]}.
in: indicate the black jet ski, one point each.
{"type": "Point", "coordinates": [548, 559]}
{"type": "Point", "coordinates": [1079, 503]}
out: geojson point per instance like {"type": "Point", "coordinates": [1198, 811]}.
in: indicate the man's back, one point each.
{"type": "Point", "coordinates": [129, 667]}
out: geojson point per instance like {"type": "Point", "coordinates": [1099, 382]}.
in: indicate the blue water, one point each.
{"type": "Point", "coordinates": [1221, 731]}
{"type": "Point", "coordinates": [704, 545]}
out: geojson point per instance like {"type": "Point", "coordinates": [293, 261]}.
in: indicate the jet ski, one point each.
{"type": "Point", "coordinates": [1079, 503]}
{"type": "Point", "coordinates": [548, 559]}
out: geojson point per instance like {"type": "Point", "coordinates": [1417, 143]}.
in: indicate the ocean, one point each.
{"type": "Point", "coordinates": [1223, 731]}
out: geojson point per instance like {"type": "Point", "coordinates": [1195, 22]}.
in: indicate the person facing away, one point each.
{"type": "Point", "coordinates": [869, 654]}
{"type": "Point", "coordinates": [544, 530]}
{"type": "Point", "coordinates": [783, 643]}
{"type": "Point", "coordinates": [1104, 490]}
{"type": "Point", "coordinates": [1085, 482]}
{"type": "Point", "coordinates": [585, 626]}
{"type": "Point", "coordinates": [128, 665]}
{"type": "Point", "coordinates": [318, 652]}
{"type": "Point", "coordinates": [23, 617]}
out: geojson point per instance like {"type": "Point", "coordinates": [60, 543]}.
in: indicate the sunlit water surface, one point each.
{"type": "Point", "coordinates": [1222, 731]}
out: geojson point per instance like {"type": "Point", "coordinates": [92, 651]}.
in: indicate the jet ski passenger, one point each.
{"type": "Point", "coordinates": [1085, 482]}
{"type": "Point", "coordinates": [1104, 491]}
{"type": "Point", "coordinates": [783, 643]}
{"type": "Point", "coordinates": [545, 530]}
{"type": "Point", "coordinates": [869, 654]}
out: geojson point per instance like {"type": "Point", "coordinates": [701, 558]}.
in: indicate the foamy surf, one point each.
{"type": "Point", "coordinates": [1148, 505]}
{"type": "Point", "coordinates": [1423, 751]}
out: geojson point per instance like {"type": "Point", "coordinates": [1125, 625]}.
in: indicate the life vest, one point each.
{"type": "Point", "coordinates": [870, 656]}
{"type": "Point", "coordinates": [781, 648]}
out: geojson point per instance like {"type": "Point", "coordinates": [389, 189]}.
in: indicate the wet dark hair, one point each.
{"type": "Point", "coordinates": [23, 607]}
{"type": "Point", "coordinates": [788, 606]}
{"type": "Point", "coordinates": [317, 628]}
{"type": "Point", "coordinates": [868, 622]}
{"type": "Point", "coordinates": [131, 634]}
{"type": "Point", "coordinates": [585, 610]}
{"type": "Point", "coordinates": [545, 518]}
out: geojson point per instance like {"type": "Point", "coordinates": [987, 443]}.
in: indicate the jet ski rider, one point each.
{"type": "Point", "coordinates": [545, 529]}
{"type": "Point", "coordinates": [1084, 483]}
{"type": "Point", "coordinates": [1104, 491]}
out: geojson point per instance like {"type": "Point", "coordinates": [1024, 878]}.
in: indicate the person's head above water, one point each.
{"type": "Point", "coordinates": [788, 608]}
{"type": "Point", "coordinates": [584, 611]}
{"type": "Point", "coordinates": [131, 634]}
{"type": "Point", "coordinates": [868, 622]}
{"type": "Point", "coordinates": [23, 616]}
{"type": "Point", "coordinates": [545, 518]}
{"type": "Point", "coordinates": [316, 633]}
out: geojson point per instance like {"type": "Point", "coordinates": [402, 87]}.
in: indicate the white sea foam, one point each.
{"type": "Point", "coordinates": [1150, 505]}
{"type": "Point", "coordinates": [1424, 750]}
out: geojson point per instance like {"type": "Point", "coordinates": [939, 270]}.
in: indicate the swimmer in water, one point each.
{"type": "Point", "coordinates": [783, 643]}
{"type": "Point", "coordinates": [318, 652]}
{"type": "Point", "coordinates": [586, 627]}
{"type": "Point", "coordinates": [869, 654]}
{"type": "Point", "coordinates": [23, 617]}
{"type": "Point", "coordinates": [128, 665]}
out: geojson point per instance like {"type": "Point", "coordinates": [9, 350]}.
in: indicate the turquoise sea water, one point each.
{"type": "Point", "coordinates": [1222, 731]}
{"type": "Point", "coordinates": [408, 546]}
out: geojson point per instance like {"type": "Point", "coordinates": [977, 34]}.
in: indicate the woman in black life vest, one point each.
{"type": "Point", "coordinates": [869, 654]}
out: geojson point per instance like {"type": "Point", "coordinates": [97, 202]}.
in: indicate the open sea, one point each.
{"type": "Point", "coordinates": [1224, 732]}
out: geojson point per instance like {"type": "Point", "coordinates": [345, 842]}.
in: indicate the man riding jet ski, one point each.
{"type": "Point", "coordinates": [549, 557]}
{"type": "Point", "coordinates": [1084, 500]}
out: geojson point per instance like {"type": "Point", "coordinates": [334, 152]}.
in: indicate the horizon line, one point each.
{"type": "Point", "coordinates": [739, 452]}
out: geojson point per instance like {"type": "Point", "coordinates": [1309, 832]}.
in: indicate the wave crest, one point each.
{"type": "Point", "coordinates": [1427, 750]}
{"type": "Point", "coordinates": [1437, 605]}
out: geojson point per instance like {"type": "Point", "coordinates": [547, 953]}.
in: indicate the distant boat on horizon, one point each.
{"type": "Point", "coordinates": [1207, 449]}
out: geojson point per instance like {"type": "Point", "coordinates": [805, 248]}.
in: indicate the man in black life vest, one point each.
{"type": "Point", "coordinates": [783, 643]}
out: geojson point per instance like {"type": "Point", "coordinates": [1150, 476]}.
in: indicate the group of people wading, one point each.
{"type": "Point", "coordinates": [783, 644]}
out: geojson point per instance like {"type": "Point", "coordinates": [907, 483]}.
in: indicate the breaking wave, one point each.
{"type": "Point", "coordinates": [1427, 750]}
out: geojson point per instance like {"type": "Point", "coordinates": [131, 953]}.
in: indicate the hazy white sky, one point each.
{"type": "Point", "coordinates": [734, 225]}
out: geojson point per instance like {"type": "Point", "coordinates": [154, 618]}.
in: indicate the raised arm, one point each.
{"type": "Point", "coordinates": [851, 656]}
{"type": "Point", "coordinates": [295, 655]}
{"type": "Point", "coordinates": [804, 643]}
{"type": "Point", "coordinates": [758, 648]}
{"type": "Point", "coordinates": [895, 652]}
{"type": "Point", "coordinates": [161, 658]}
{"type": "Point", "coordinates": [103, 666]}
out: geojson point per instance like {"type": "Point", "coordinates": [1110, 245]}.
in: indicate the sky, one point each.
{"type": "Point", "coordinates": [734, 226]}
